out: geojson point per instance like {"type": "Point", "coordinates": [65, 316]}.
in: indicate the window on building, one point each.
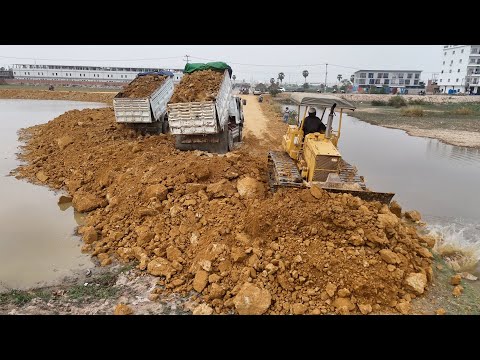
{"type": "Point", "coordinates": [460, 61]}
{"type": "Point", "coordinates": [450, 71]}
{"type": "Point", "coordinates": [445, 53]}
{"type": "Point", "coordinates": [377, 81]}
{"type": "Point", "coordinates": [444, 63]}
{"type": "Point", "coordinates": [400, 81]}
{"type": "Point", "coordinates": [363, 75]}
{"type": "Point", "coordinates": [442, 71]}
{"type": "Point", "coordinates": [474, 51]}
{"type": "Point", "coordinates": [448, 80]}
{"type": "Point", "coordinates": [451, 62]}
{"type": "Point", "coordinates": [370, 75]}
{"type": "Point", "coordinates": [379, 75]}
{"type": "Point", "coordinates": [415, 82]}
{"type": "Point", "coordinates": [457, 80]}
{"type": "Point", "coordinates": [458, 70]}
{"type": "Point", "coordinates": [441, 80]}
{"type": "Point", "coordinates": [385, 75]}
{"type": "Point", "coordinates": [407, 82]}
{"type": "Point", "coordinates": [462, 51]}
{"type": "Point", "coordinates": [361, 81]}
{"type": "Point", "coordinates": [453, 52]}
{"type": "Point", "coordinates": [371, 81]}
{"type": "Point", "coordinates": [386, 81]}
{"type": "Point", "coordinates": [417, 76]}
{"type": "Point", "coordinates": [409, 75]}
{"type": "Point", "coordinates": [400, 75]}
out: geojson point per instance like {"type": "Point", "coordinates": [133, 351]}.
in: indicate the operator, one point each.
{"type": "Point", "coordinates": [312, 123]}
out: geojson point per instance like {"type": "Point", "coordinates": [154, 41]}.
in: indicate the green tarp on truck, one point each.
{"type": "Point", "coordinates": [216, 66]}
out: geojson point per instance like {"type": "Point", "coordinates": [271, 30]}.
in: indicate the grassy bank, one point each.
{"type": "Point", "coordinates": [453, 116]}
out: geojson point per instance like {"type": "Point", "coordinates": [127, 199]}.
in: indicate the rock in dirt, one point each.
{"type": "Point", "coordinates": [122, 309]}
{"type": "Point", "coordinates": [468, 276]}
{"type": "Point", "coordinates": [203, 309]}
{"type": "Point", "coordinates": [41, 176]}
{"type": "Point", "coordinates": [200, 280]}
{"type": "Point", "coordinates": [317, 192]}
{"type": "Point", "coordinates": [396, 209]}
{"type": "Point", "coordinates": [331, 289]}
{"type": "Point", "coordinates": [413, 215]}
{"type": "Point", "coordinates": [160, 267]}
{"type": "Point", "coordinates": [299, 309]}
{"type": "Point", "coordinates": [64, 141]}
{"type": "Point", "coordinates": [344, 303]}
{"type": "Point", "coordinates": [158, 191]}
{"type": "Point", "coordinates": [142, 86]}
{"type": "Point", "coordinates": [365, 308]}
{"type": "Point", "coordinates": [457, 290]}
{"type": "Point", "coordinates": [252, 300]}
{"type": "Point", "coordinates": [89, 235]}
{"type": "Point", "coordinates": [456, 279]}
{"type": "Point", "coordinates": [389, 256]}
{"type": "Point", "coordinates": [403, 307]}
{"type": "Point", "coordinates": [249, 188]}
{"type": "Point", "coordinates": [440, 311]}
{"type": "Point", "coordinates": [64, 200]}
{"type": "Point", "coordinates": [84, 202]}
{"type": "Point", "coordinates": [416, 282]}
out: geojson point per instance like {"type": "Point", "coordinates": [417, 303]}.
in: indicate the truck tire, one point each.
{"type": "Point", "coordinates": [165, 127]}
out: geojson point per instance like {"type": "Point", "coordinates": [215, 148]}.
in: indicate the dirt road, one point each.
{"type": "Point", "coordinates": [255, 120]}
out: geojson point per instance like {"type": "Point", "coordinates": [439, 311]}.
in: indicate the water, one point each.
{"type": "Point", "coordinates": [439, 180]}
{"type": "Point", "coordinates": [37, 244]}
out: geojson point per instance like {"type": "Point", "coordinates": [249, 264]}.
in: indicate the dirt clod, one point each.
{"type": "Point", "coordinates": [142, 86]}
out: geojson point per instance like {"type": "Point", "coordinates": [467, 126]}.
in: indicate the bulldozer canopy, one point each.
{"type": "Point", "coordinates": [320, 101]}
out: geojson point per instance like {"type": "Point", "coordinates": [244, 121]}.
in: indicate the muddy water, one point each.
{"type": "Point", "coordinates": [439, 180]}
{"type": "Point", "coordinates": [37, 244]}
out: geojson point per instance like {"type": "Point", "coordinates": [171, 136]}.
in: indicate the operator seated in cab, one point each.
{"type": "Point", "coordinates": [312, 123]}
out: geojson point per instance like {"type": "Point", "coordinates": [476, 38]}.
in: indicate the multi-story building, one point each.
{"type": "Point", "coordinates": [394, 79]}
{"type": "Point", "coordinates": [81, 75]}
{"type": "Point", "coordinates": [460, 71]}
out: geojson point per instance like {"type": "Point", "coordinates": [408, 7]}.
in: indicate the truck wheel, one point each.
{"type": "Point", "coordinates": [165, 127]}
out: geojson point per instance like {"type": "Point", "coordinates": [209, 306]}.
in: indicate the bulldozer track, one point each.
{"type": "Point", "coordinates": [348, 173]}
{"type": "Point", "coordinates": [282, 171]}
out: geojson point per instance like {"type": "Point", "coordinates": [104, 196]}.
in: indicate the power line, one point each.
{"type": "Point", "coordinates": [80, 60]}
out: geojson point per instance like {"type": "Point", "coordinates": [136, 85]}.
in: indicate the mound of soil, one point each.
{"type": "Point", "coordinates": [142, 86]}
{"type": "Point", "coordinates": [198, 86]}
{"type": "Point", "coordinates": [205, 223]}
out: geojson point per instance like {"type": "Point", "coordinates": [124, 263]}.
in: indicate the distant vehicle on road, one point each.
{"type": "Point", "coordinates": [257, 92]}
{"type": "Point", "coordinates": [281, 89]}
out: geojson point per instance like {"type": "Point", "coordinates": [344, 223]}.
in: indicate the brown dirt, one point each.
{"type": "Point", "coordinates": [90, 96]}
{"type": "Point", "coordinates": [179, 214]}
{"type": "Point", "coordinates": [198, 86]}
{"type": "Point", "coordinates": [142, 86]}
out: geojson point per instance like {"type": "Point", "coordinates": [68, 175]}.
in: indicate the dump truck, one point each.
{"type": "Point", "coordinates": [314, 159]}
{"type": "Point", "coordinates": [142, 105]}
{"type": "Point", "coordinates": [213, 124]}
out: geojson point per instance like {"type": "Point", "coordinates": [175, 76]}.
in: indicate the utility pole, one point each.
{"type": "Point", "coordinates": [326, 67]}
{"type": "Point", "coordinates": [187, 56]}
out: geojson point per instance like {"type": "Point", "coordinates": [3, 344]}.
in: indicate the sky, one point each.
{"type": "Point", "coordinates": [249, 62]}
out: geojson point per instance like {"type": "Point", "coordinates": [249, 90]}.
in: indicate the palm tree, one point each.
{"type": "Point", "coordinates": [305, 74]}
{"type": "Point", "coordinates": [281, 76]}
{"type": "Point", "coordinates": [272, 81]}
{"type": "Point", "coordinates": [339, 77]}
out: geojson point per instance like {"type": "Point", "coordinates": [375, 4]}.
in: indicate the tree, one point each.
{"type": "Point", "coordinates": [261, 86]}
{"type": "Point", "coordinates": [281, 76]}
{"type": "Point", "coordinates": [305, 74]}
{"type": "Point", "coordinates": [272, 81]}
{"type": "Point", "coordinates": [339, 77]}
{"type": "Point", "coordinates": [306, 86]}
{"type": "Point", "coordinates": [352, 77]}
{"type": "Point", "coordinates": [346, 85]}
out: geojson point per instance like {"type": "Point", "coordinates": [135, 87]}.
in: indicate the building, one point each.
{"type": "Point", "coordinates": [395, 80]}
{"type": "Point", "coordinates": [460, 71]}
{"type": "Point", "coordinates": [81, 75]}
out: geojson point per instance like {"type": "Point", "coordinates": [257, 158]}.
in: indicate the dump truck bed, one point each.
{"type": "Point", "coordinates": [140, 110]}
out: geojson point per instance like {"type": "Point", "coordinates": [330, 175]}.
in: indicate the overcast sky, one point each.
{"type": "Point", "coordinates": [249, 62]}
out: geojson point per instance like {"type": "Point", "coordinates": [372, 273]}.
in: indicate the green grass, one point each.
{"type": "Point", "coordinates": [412, 112]}
{"type": "Point", "coordinates": [21, 297]}
{"type": "Point", "coordinates": [378, 103]}
{"type": "Point", "coordinates": [397, 101]}
{"type": "Point", "coordinates": [101, 287]}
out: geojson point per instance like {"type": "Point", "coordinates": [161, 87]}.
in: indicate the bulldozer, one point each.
{"type": "Point", "coordinates": [314, 159]}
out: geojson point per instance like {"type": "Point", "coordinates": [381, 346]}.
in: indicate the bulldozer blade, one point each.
{"type": "Point", "coordinates": [365, 195]}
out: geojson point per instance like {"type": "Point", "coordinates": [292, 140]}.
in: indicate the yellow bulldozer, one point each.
{"type": "Point", "coordinates": [314, 159]}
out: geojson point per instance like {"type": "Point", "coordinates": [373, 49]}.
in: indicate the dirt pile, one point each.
{"type": "Point", "coordinates": [142, 86]}
{"type": "Point", "coordinates": [90, 96]}
{"type": "Point", "coordinates": [206, 223]}
{"type": "Point", "coordinates": [198, 86]}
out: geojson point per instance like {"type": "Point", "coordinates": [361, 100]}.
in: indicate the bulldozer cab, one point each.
{"type": "Point", "coordinates": [293, 140]}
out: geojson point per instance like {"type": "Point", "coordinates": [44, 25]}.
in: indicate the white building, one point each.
{"type": "Point", "coordinates": [460, 71]}
{"type": "Point", "coordinates": [85, 74]}
{"type": "Point", "coordinates": [394, 79]}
